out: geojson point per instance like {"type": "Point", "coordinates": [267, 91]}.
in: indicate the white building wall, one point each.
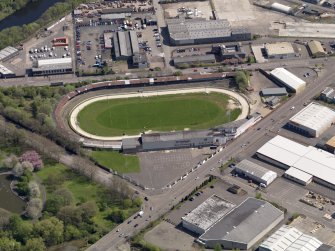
{"type": "Point", "coordinates": [193, 228]}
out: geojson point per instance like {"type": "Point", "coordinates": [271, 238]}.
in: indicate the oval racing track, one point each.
{"type": "Point", "coordinates": [73, 122]}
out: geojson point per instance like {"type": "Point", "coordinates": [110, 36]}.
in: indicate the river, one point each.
{"type": "Point", "coordinates": [8, 200]}
{"type": "Point", "coordinates": [28, 14]}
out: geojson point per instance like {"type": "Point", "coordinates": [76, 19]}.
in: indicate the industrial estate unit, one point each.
{"type": "Point", "coordinates": [298, 159]}
{"type": "Point", "coordinates": [313, 120]}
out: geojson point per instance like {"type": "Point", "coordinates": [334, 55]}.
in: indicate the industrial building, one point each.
{"type": "Point", "coordinates": [328, 95]}
{"type": "Point", "coordinates": [140, 60]}
{"type": "Point", "coordinates": [298, 176]}
{"type": "Point", "coordinates": [52, 66]}
{"type": "Point", "coordinates": [243, 226]}
{"type": "Point", "coordinates": [201, 31]}
{"type": "Point", "coordinates": [279, 50]}
{"type": "Point", "coordinates": [287, 154]}
{"type": "Point", "coordinates": [234, 129]}
{"type": "Point", "coordinates": [282, 8]}
{"type": "Point", "coordinates": [266, 92]}
{"type": "Point", "coordinates": [288, 80]}
{"type": "Point", "coordinates": [288, 238]}
{"type": "Point", "coordinates": [181, 139]}
{"type": "Point", "coordinates": [193, 60]}
{"type": "Point", "coordinates": [315, 49]}
{"type": "Point", "coordinates": [312, 120]}
{"type": "Point", "coordinates": [5, 72]}
{"type": "Point", "coordinates": [231, 51]}
{"type": "Point", "coordinates": [125, 44]}
{"type": "Point", "coordinates": [330, 145]}
{"type": "Point", "coordinates": [206, 214]}
{"type": "Point", "coordinates": [8, 53]}
{"type": "Point", "coordinates": [114, 16]}
{"type": "Point", "coordinates": [190, 139]}
{"type": "Point", "coordinates": [255, 172]}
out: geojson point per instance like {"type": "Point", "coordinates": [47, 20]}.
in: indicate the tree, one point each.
{"type": "Point", "coordinates": [8, 244]}
{"type": "Point", "coordinates": [241, 79]}
{"type": "Point", "coordinates": [35, 244]}
{"type": "Point", "coordinates": [117, 216]}
{"type": "Point", "coordinates": [34, 158]}
{"type": "Point", "coordinates": [72, 233]}
{"type": "Point", "coordinates": [34, 208]}
{"type": "Point", "coordinates": [20, 230]}
{"type": "Point", "coordinates": [27, 166]}
{"type": "Point", "coordinates": [34, 189]}
{"type": "Point", "coordinates": [51, 230]}
{"type": "Point", "coordinates": [18, 170]}
{"type": "Point", "coordinates": [4, 218]}
{"type": "Point", "coordinates": [10, 161]}
{"type": "Point", "coordinates": [66, 195]}
{"type": "Point", "coordinates": [217, 247]}
{"type": "Point", "coordinates": [70, 215]}
{"type": "Point", "coordinates": [88, 210]}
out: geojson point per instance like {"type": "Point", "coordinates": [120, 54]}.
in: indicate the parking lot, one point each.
{"type": "Point", "coordinates": [158, 169]}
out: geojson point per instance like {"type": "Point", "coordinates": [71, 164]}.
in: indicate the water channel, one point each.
{"type": "Point", "coordinates": [8, 200]}
{"type": "Point", "coordinates": [28, 14]}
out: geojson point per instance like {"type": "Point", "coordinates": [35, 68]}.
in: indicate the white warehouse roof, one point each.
{"type": "Point", "coordinates": [281, 7]}
{"type": "Point", "coordinates": [288, 79]}
{"type": "Point", "coordinates": [256, 170]}
{"type": "Point", "coordinates": [279, 48]}
{"type": "Point", "coordinates": [53, 61]}
{"type": "Point", "coordinates": [288, 238]}
{"type": "Point", "coordinates": [314, 161]}
{"type": "Point", "coordinates": [315, 117]}
{"type": "Point", "coordinates": [298, 174]}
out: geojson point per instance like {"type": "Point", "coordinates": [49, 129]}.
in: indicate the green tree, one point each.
{"type": "Point", "coordinates": [21, 230]}
{"type": "Point", "coordinates": [34, 244]}
{"type": "Point", "coordinates": [51, 230]}
{"type": "Point", "coordinates": [117, 216]}
{"type": "Point", "coordinates": [8, 244]}
{"type": "Point", "coordinates": [70, 215]}
{"type": "Point", "coordinates": [217, 247]}
{"type": "Point", "coordinates": [241, 79]}
{"type": "Point", "coordinates": [88, 210]}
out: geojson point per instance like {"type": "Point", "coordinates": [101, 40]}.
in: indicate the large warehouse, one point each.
{"type": "Point", "coordinates": [206, 214]}
{"type": "Point", "coordinates": [313, 120]}
{"type": "Point", "coordinates": [201, 31]}
{"type": "Point", "coordinates": [288, 238]}
{"type": "Point", "coordinates": [288, 154]}
{"type": "Point", "coordinates": [279, 50]}
{"type": "Point", "coordinates": [287, 79]}
{"type": "Point", "coordinates": [255, 172]}
{"type": "Point", "coordinates": [243, 226]}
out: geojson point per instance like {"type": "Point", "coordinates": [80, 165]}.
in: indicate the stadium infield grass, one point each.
{"type": "Point", "coordinates": [160, 113]}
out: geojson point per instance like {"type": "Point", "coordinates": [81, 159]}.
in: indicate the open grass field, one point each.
{"type": "Point", "coordinates": [162, 113]}
{"type": "Point", "coordinates": [117, 161]}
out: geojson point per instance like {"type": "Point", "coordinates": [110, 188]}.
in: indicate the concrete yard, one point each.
{"type": "Point", "coordinates": [203, 7]}
{"type": "Point", "coordinates": [158, 169]}
{"type": "Point", "coordinates": [243, 13]}
{"type": "Point", "coordinates": [311, 227]}
{"type": "Point", "coordinates": [304, 29]}
{"type": "Point", "coordinates": [169, 238]}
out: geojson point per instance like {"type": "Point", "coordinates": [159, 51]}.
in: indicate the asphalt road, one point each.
{"type": "Point", "coordinates": [163, 202]}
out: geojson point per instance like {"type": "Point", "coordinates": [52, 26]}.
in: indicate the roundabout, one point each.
{"type": "Point", "coordinates": [114, 117]}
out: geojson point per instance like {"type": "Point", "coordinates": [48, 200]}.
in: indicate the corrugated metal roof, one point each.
{"type": "Point", "coordinates": [279, 48]}
{"type": "Point", "coordinates": [288, 238]}
{"type": "Point", "coordinates": [311, 160]}
{"type": "Point", "coordinates": [315, 47]}
{"type": "Point", "coordinates": [314, 116]}
{"type": "Point", "coordinates": [298, 174]}
{"type": "Point", "coordinates": [274, 91]}
{"type": "Point", "coordinates": [287, 78]}
{"type": "Point", "coordinates": [53, 61]}
{"type": "Point", "coordinates": [256, 170]}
